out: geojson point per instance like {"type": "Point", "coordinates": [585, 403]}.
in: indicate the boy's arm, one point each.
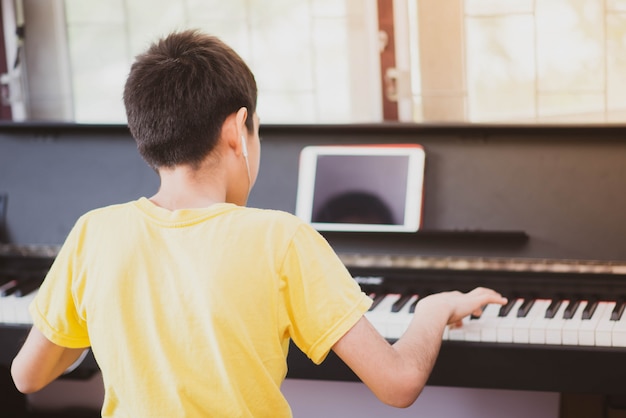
{"type": "Point", "coordinates": [397, 373]}
{"type": "Point", "coordinates": [40, 361]}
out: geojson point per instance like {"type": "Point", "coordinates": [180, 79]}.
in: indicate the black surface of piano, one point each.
{"type": "Point", "coordinates": [564, 328]}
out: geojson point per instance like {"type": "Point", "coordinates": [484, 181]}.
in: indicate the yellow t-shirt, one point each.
{"type": "Point", "coordinates": [189, 313]}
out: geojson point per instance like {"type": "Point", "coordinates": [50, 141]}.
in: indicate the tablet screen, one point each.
{"type": "Point", "coordinates": [361, 187]}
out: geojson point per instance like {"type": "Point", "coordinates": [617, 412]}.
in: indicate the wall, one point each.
{"type": "Point", "coordinates": [563, 187]}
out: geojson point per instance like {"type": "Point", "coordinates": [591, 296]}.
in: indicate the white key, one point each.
{"type": "Point", "coordinates": [379, 316]}
{"type": "Point", "coordinates": [571, 326]}
{"type": "Point", "coordinates": [555, 325]}
{"type": "Point", "coordinates": [399, 321]}
{"type": "Point", "coordinates": [22, 315]}
{"type": "Point", "coordinates": [604, 329]}
{"type": "Point", "coordinates": [504, 332]}
{"type": "Point", "coordinates": [457, 333]}
{"type": "Point", "coordinates": [523, 326]}
{"type": "Point", "coordinates": [587, 330]}
{"type": "Point", "coordinates": [488, 323]}
{"type": "Point", "coordinates": [537, 331]}
{"type": "Point", "coordinates": [473, 327]}
{"type": "Point", "coordinates": [8, 309]}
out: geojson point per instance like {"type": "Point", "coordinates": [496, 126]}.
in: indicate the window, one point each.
{"type": "Point", "coordinates": [340, 61]}
{"type": "Point", "coordinates": [314, 60]}
{"type": "Point", "coordinates": [521, 61]}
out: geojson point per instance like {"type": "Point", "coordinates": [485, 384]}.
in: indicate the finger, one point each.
{"type": "Point", "coordinates": [454, 325]}
{"type": "Point", "coordinates": [489, 296]}
{"type": "Point", "coordinates": [478, 312]}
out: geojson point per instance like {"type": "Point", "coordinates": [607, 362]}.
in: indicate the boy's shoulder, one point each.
{"type": "Point", "coordinates": [107, 210]}
{"type": "Point", "coordinates": [273, 216]}
{"type": "Point", "coordinates": [107, 215]}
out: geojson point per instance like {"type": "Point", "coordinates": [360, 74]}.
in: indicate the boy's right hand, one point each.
{"type": "Point", "coordinates": [471, 303]}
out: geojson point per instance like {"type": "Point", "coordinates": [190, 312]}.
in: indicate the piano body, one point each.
{"type": "Point", "coordinates": [534, 212]}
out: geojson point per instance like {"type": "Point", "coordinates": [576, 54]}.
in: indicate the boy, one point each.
{"type": "Point", "coordinates": [189, 299]}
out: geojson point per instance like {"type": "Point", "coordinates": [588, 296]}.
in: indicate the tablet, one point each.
{"type": "Point", "coordinates": [374, 188]}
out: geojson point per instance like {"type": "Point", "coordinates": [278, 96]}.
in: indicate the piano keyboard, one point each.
{"type": "Point", "coordinates": [22, 269]}
{"type": "Point", "coordinates": [581, 321]}
{"type": "Point", "coordinates": [522, 321]}
{"type": "Point", "coordinates": [15, 296]}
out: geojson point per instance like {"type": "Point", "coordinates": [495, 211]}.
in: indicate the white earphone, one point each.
{"type": "Point", "coordinates": [244, 146]}
{"type": "Point", "coordinates": [244, 152]}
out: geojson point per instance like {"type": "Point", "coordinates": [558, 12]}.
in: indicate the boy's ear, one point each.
{"type": "Point", "coordinates": [241, 117]}
{"type": "Point", "coordinates": [234, 129]}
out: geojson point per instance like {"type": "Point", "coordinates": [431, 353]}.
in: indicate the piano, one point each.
{"type": "Point", "coordinates": [564, 328]}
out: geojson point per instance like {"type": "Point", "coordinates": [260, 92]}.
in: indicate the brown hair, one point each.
{"type": "Point", "coordinates": [179, 93]}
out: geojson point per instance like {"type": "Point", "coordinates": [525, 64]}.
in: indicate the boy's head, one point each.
{"type": "Point", "coordinates": [179, 93]}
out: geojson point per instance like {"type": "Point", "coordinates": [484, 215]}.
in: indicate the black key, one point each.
{"type": "Point", "coordinates": [397, 305]}
{"type": "Point", "coordinates": [24, 287]}
{"type": "Point", "coordinates": [8, 288]}
{"type": "Point", "coordinates": [523, 310]}
{"type": "Point", "coordinates": [506, 309]}
{"type": "Point", "coordinates": [553, 308]}
{"type": "Point", "coordinates": [378, 297]}
{"type": "Point", "coordinates": [571, 309]}
{"type": "Point", "coordinates": [423, 294]}
{"type": "Point", "coordinates": [618, 311]}
{"type": "Point", "coordinates": [5, 278]}
{"type": "Point", "coordinates": [472, 316]}
{"type": "Point", "coordinates": [590, 309]}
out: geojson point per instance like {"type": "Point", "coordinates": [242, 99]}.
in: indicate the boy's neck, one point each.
{"type": "Point", "coordinates": [186, 188]}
